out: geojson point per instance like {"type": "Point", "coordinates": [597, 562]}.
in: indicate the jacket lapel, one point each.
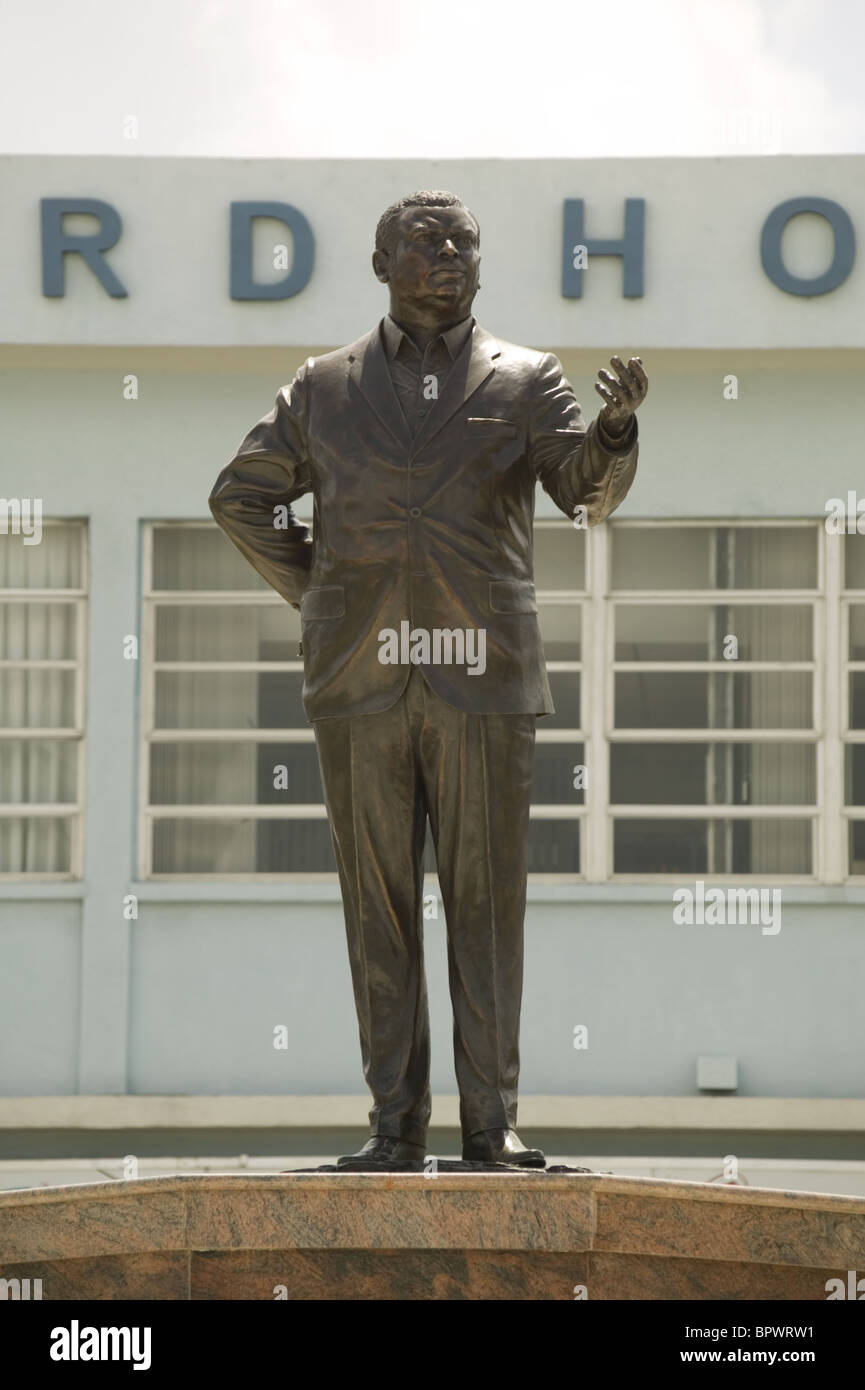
{"type": "Point", "coordinates": [369, 371]}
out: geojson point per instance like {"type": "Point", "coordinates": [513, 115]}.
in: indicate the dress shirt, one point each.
{"type": "Point", "coordinates": [410, 368]}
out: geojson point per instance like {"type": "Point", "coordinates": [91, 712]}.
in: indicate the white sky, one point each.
{"type": "Point", "coordinates": [416, 78]}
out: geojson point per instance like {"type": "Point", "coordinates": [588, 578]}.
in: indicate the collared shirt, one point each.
{"type": "Point", "coordinates": [419, 377]}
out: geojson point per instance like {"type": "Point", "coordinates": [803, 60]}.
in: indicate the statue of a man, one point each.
{"type": "Point", "coordinates": [421, 444]}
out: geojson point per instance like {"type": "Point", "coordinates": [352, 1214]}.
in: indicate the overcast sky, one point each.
{"type": "Point", "coordinates": [416, 78]}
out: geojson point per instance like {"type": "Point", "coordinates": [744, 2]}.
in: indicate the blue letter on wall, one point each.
{"type": "Point", "coordinates": [629, 247]}
{"type": "Point", "coordinates": [242, 284]}
{"type": "Point", "coordinates": [845, 246]}
{"type": "Point", "coordinates": [56, 244]}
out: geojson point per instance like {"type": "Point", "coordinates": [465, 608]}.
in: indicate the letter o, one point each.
{"type": "Point", "coordinates": [842, 260]}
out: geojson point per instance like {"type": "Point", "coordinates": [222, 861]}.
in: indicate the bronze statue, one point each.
{"type": "Point", "coordinates": [422, 443]}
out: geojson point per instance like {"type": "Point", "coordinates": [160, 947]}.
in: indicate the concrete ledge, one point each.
{"type": "Point", "coordinates": [519, 1235]}
{"type": "Point", "coordinates": [776, 1114]}
{"type": "Point", "coordinates": [322, 888]}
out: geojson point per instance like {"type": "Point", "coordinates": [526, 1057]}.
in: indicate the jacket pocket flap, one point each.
{"type": "Point", "coordinates": [512, 596]}
{"type": "Point", "coordinates": [328, 602]}
{"type": "Point", "coordinates": [480, 424]}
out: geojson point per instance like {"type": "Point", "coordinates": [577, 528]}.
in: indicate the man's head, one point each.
{"type": "Point", "coordinates": [427, 251]}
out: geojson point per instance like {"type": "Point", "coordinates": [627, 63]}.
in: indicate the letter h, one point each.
{"type": "Point", "coordinates": [630, 247]}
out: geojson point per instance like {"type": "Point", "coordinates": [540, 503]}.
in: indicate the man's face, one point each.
{"type": "Point", "coordinates": [435, 260]}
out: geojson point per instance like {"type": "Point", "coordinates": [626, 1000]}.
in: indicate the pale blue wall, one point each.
{"type": "Point", "coordinates": [40, 990]}
{"type": "Point", "coordinates": [185, 999]}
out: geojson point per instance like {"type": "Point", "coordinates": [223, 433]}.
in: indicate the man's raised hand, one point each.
{"type": "Point", "coordinates": [622, 394]}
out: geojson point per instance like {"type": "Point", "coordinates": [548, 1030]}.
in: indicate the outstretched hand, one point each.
{"type": "Point", "coordinates": [622, 393]}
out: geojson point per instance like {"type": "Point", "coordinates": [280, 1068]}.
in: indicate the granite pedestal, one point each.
{"type": "Point", "coordinates": [513, 1235]}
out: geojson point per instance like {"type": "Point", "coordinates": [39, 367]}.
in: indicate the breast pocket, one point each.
{"type": "Point", "coordinates": [493, 427]}
{"type": "Point", "coordinates": [513, 596]}
{"type": "Point", "coordinates": [327, 602]}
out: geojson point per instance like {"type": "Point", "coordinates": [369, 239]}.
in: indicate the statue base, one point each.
{"type": "Point", "coordinates": [512, 1234]}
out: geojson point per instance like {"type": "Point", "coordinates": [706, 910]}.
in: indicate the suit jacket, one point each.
{"type": "Point", "coordinates": [434, 529]}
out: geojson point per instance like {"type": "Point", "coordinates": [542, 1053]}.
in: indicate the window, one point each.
{"type": "Point", "coordinates": [558, 805]}
{"type": "Point", "coordinates": [712, 703]}
{"type": "Point", "coordinates": [230, 782]}
{"type": "Point", "coordinates": [42, 649]}
{"type": "Point", "coordinates": [709, 683]}
{"type": "Point", "coordinates": [853, 699]}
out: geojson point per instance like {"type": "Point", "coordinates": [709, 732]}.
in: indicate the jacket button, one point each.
{"type": "Point", "coordinates": [415, 511]}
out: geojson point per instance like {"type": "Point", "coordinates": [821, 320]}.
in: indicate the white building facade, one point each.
{"type": "Point", "coordinates": [170, 921]}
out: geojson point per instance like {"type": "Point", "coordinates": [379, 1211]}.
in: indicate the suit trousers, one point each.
{"type": "Point", "coordinates": [384, 774]}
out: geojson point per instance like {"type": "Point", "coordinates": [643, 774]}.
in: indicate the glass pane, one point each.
{"type": "Point", "coordinates": [698, 774]}
{"type": "Point", "coordinates": [712, 847]}
{"type": "Point", "coordinates": [854, 562]}
{"type": "Point", "coordinates": [242, 847]}
{"type": "Point", "coordinates": [661, 557]}
{"type": "Point", "coordinates": [55, 563]}
{"type": "Point", "coordinates": [212, 632]}
{"type": "Point", "coordinates": [767, 557]}
{"type": "Point", "coordinates": [561, 625]}
{"type": "Point", "coordinates": [714, 700]}
{"type": "Point", "coordinates": [554, 846]}
{"type": "Point", "coordinates": [565, 688]}
{"type": "Point", "coordinates": [234, 774]}
{"type": "Point", "coordinates": [40, 771]}
{"type": "Point", "coordinates": [35, 845]}
{"type": "Point", "coordinates": [857, 632]}
{"type": "Point", "coordinates": [857, 846]}
{"type": "Point", "coordinates": [556, 767]}
{"type": "Point", "coordinates": [857, 700]}
{"type": "Point", "coordinates": [560, 556]}
{"type": "Point", "coordinates": [33, 699]}
{"type": "Point", "coordinates": [197, 558]}
{"type": "Point", "coordinates": [854, 779]}
{"type": "Point", "coordinates": [681, 632]}
{"type": "Point", "coordinates": [37, 632]}
{"type": "Point", "coordinates": [706, 557]}
{"type": "Point", "coordinates": [229, 700]}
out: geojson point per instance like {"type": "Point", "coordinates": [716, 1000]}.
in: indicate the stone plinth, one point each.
{"type": "Point", "coordinates": [520, 1235]}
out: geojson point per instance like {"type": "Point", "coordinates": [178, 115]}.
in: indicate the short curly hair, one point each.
{"type": "Point", "coordinates": [424, 198]}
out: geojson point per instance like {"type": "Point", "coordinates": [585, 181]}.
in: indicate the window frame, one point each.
{"type": "Point", "coordinates": [847, 737]}
{"type": "Point", "coordinates": [815, 598]}
{"type": "Point", "coordinates": [829, 818]}
{"type": "Point", "coordinates": [147, 814]}
{"type": "Point", "coordinates": [568, 810]}
{"type": "Point", "coordinates": [73, 811]}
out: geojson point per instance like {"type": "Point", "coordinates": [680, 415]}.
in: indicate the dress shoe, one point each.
{"type": "Point", "coordinates": [385, 1152]}
{"type": "Point", "coordinates": [501, 1146]}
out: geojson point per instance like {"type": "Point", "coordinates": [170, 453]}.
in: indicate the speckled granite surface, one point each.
{"type": "Point", "coordinates": [521, 1235]}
